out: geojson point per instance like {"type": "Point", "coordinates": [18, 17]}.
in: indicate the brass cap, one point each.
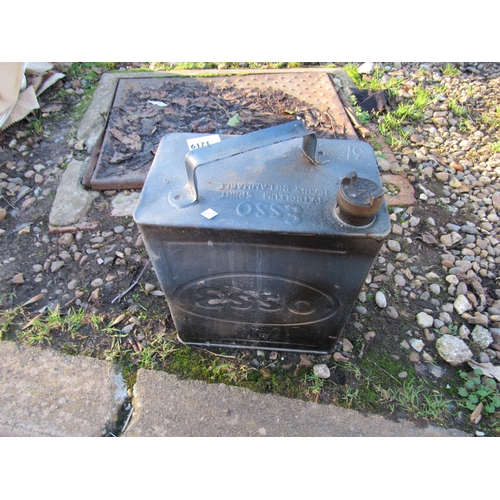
{"type": "Point", "coordinates": [359, 199]}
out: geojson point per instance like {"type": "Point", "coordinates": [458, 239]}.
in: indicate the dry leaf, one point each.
{"type": "Point", "coordinates": [477, 414]}
{"type": "Point", "coordinates": [118, 319]}
{"type": "Point", "coordinates": [131, 141]}
{"type": "Point", "coordinates": [29, 323]}
{"type": "Point", "coordinates": [36, 298]}
{"type": "Point", "coordinates": [488, 369]}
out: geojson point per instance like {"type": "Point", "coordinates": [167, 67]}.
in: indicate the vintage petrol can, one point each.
{"type": "Point", "coordinates": [263, 240]}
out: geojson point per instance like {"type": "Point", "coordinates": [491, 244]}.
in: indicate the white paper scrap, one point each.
{"type": "Point", "coordinates": [209, 213]}
{"type": "Point", "coordinates": [200, 142]}
{"type": "Point", "coordinates": [158, 103]}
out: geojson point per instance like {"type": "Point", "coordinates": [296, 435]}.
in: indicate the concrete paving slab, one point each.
{"type": "Point", "coordinates": [166, 406]}
{"type": "Point", "coordinates": [72, 201]}
{"type": "Point", "coordinates": [124, 204]}
{"type": "Point", "coordinates": [45, 393]}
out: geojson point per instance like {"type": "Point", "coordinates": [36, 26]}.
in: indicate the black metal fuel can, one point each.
{"type": "Point", "coordinates": [263, 240]}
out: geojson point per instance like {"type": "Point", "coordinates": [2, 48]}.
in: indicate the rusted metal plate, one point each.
{"type": "Point", "coordinates": [145, 109]}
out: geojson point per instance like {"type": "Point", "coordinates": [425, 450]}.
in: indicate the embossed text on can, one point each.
{"type": "Point", "coordinates": [252, 298]}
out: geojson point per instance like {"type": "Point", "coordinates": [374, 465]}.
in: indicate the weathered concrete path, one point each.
{"type": "Point", "coordinates": [45, 393]}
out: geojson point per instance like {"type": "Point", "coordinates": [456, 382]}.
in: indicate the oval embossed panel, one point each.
{"type": "Point", "coordinates": [255, 299]}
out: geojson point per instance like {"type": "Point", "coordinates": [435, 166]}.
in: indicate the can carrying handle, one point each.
{"type": "Point", "coordinates": [235, 146]}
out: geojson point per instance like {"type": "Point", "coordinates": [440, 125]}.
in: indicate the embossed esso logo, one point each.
{"type": "Point", "coordinates": [255, 299]}
{"type": "Point", "coordinates": [289, 213]}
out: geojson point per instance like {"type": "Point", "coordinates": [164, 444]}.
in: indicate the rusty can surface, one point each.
{"type": "Point", "coordinates": [263, 240]}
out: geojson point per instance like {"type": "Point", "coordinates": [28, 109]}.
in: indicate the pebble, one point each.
{"type": "Point", "coordinates": [72, 284]}
{"type": "Point", "coordinates": [55, 266]}
{"type": "Point", "coordinates": [481, 337]}
{"type": "Point", "coordinates": [369, 335]}
{"type": "Point", "coordinates": [18, 279]}
{"type": "Point", "coordinates": [399, 280]}
{"type": "Point", "coordinates": [361, 310]}
{"type": "Point", "coordinates": [429, 335]}
{"type": "Point", "coordinates": [414, 357]}
{"type": "Point", "coordinates": [66, 239]}
{"type": "Point", "coordinates": [435, 370]}
{"type": "Point", "coordinates": [394, 246]}
{"type": "Point", "coordinates": [381, 300]}
{"type": "Point", "coordinates": [453, 350]}
{"type": "Point", "coordinates": [321, 371]}
{"type": "Point", "coordinates": [463, 332]}
{"type": "Point", "coordinates": [340, 358]}
{"type": "Point", "coordinates": [462, 304]}
{"type": "Point", "coordinates": [347, 345]}
{"type": "Point", "coordinates": [425, 320]}
{"type": "Point", "coordinates": [392, 312]}
{"type": "Point", "coordinates": [417, 344]}
{"type": "Point", "coordinates": [427, 358]}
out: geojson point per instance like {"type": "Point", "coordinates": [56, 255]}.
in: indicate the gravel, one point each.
{"type": "Point", "coordinates": [440, 264]}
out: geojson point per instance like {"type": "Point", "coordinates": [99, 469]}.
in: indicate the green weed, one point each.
{"type": "Point", "coordinates": [350, 396]}
{"type": "Point", "coordinates": [79, 69]}
{"type": "Point", "coordinates": [118, 354]}
{"type": "Point", "coordinates": [37, 125]}
{"type": "Point", "coordinates": [40, 329]}
{"type": "Point", "coordinates": [441, 88]}
{"type": "Point", "coordinates": [6, 319]}
{"type": "Point", "coordinates": [314, 383]}
{"type": "Point", "coordinates": [422, 97]}
{"type": "Point", "coordinates": [478, 389]}
{"type": "Point", "coordinates": [378, 384]}
{"type": "Point", "coordinates": [416, 399]}
{"type": "Point", "coordinates": [492, 118]}
{"type": "Point", "coordinates": [457, 109]}
{"type": "Point", "coordinates": [155, 354]}
{"type": "Point", "coordinates": [464, 125]}
{"type": "Point", "coordinates": [74, 320]}
{"type": "Point", "coordinates": [147, 358]}
{"type": "Point", "coordinates": [450, 70]}
{"type": "Point", "coordinates": [407, 112]}
{"type": "Point", "coordinates": [375, 81]}
{"type": "Point", "coordinates": [394, 125]}
{"type": "Point", "coordinates": [352, 71]}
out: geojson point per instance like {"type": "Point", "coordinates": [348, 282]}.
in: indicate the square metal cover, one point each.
{"type": "Point", "coordinates": [144, 110]}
